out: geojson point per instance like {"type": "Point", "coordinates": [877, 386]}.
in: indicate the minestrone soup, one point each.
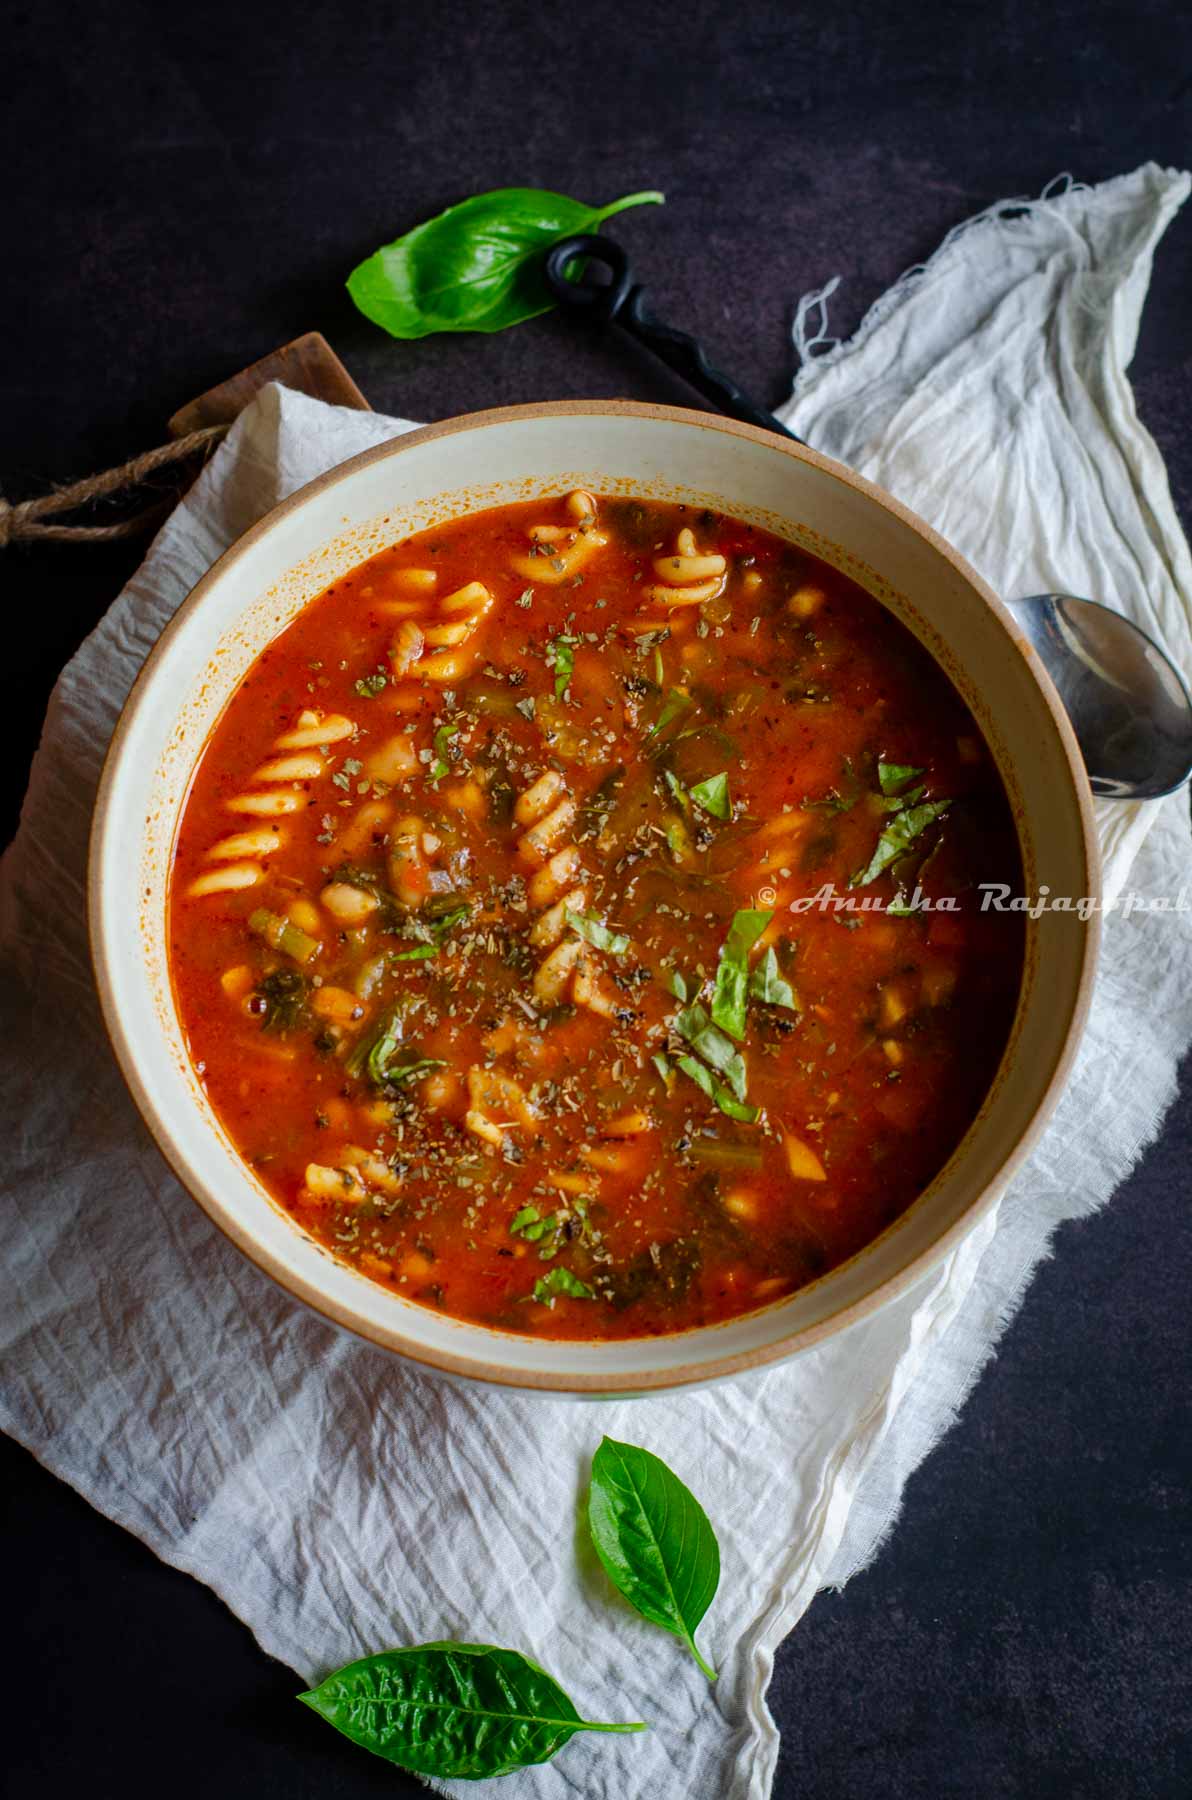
{"type": "Point", "coordinates": [505, 922]}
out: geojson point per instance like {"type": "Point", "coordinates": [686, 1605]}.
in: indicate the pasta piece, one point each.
{"type": "Point", "coordinates": [467, 797]}
{"type": "Point", "coordinates": [414, 581]}
{"type": "Point", "coordinates": [302, 766]}
{"type": "Point", "coordinates": [549, 926]}
{"type": "Point", "coordinates": [440, 636]}
{"type": "Point", "coordinates": [490, 1092]}
{"type": "Point", "coordinates": [367, 825]}
{"type": "Point", "coordinates": [556, 970]}
{"type": "Point", "coordinates": [311, 731]}
{"type": "Point", "coordinates": [686, 578]}
{"type": "Point", "coordinates": [375, 1265]}
{"type": "Point", "coordinates": [268, 805]}
{"type": "Point", "coordinates": [406, 648]}
{"type": "Point", "coordinates": [323, 1185]}
{"type": "Point", "coordinates": [548, 834]}
{"type": "Point", "coordinates": [554, 877]}
{"type": "Point", "coordinates": [262, 842]}
{"type": "Point", "coordinates": [373, 1169]}
{"type": "Point", "coordinates": [228, 880]}
{"type": "Point", "coordinates": [484, 1128]}
{"type": "Point", "coordinates": [539, 797]}
{"type": "Point", "coordinates": [588, 990]}
{"type": "Point", "coordinates": [446, 665]}
{"type": "Point", "coordinates": [470, 602]}
{"type": "Point", "coordinates": [573, 1181]}
{"type": "Point", "coordinates": [393, 761]}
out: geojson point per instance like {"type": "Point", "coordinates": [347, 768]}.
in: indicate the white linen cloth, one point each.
{"type": "Point", "coordinates": [341, 1502]}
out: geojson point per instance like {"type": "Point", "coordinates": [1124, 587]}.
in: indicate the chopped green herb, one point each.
{"type": "Point", "coordinates": [590, 928]}
{"type": "Point", "coordinates": [694, 1024]}
{"type": "Point", "coordinates": [376, 1055]}
{"type": "Point", "coordinates": [561, 1282]}
{"type": "Point", "coordinates": [675, 704]}
{"type": "Point", "coordinates": [443, 740]}
{"type": "Point", "coordinates": [903, 828]}
{"type": "Point", "coordinates": [678, 791]}
{"type": "Point", "coordinates": [662, 1064]}
{"type": "Point", "coordinates": [732, 973]}
{"type": "Point", "coordinates": [369, 686]}
{"type": "Point", "coordinates": [560, 656]}
{"type": "Point", "coordinates": [712, 795]}
{"type": "Point", "coordinates": [892, 776]}
{"type": "Point", "coordinates": [767, 985]}
{"type": "Point", "coordinates": [674, 983]}
{"type": "Point", "coordinates": [418, 954]}
{"type": "Point", "coordinates": [716, 1091]}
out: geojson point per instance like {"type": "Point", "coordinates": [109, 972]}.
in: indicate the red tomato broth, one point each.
{"type": "Point", "coordinates": [795, 684]}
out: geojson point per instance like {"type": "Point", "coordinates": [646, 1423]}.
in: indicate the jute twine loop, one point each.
{"type": "Point", "coordinates": [26, 520]}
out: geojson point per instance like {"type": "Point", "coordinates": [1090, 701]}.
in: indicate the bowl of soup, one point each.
{"type": "Point", "coordinates": [559, 896]}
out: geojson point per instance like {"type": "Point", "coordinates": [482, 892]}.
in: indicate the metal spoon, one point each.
{"type": "Point", "coordinates": [1127, 702]}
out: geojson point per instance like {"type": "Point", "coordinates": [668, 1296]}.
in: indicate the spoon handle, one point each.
{"type": "Point", "coordinates": [622, 300]}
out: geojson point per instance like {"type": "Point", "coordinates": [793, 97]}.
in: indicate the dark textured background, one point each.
{"type": "Point", "coordinates": [187, 187]}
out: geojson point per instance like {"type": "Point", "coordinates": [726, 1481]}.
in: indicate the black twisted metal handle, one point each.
{"type": "Point", "coordinates": [622, 301]}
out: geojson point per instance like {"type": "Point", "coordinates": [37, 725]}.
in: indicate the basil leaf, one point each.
{"type": "Point", "coordinates": [903, 828]}
{"type": "Point", "coordinates": [451, 1710]}
{"type": "Point", "coordinates": [892, 776]}
{"type": "Point", "coordinates": [548, 1288]}
{"type": "Point", "coordinates": [477, 266]}
{"type": "Point", "coordinates": [675, 704]}
{"type": "Point", "coordinates": [560, 656]}
{"type": "Point", "coordinates": [589, 927]}
{"type": "Point", "coordinates": [712, 795]}
{"type": "Point", "coordinates": [654, 1539]}
{"type": "Point", "coordinates": [674, 983]}
{"type": "Point", "coordinates": [677, 791]}
{"type": "Point", "coordinates": [767, 985]}
{"type": "Point", "coordinates": [417, 954]}
{"type": "Point", "coordinates": [732, 971]}
{"type": "Point", "coordinates": [694, 1024]}
{"type": "Point", "coordinates": [715, 1090]}
{"type": "Point", "coordinates": [444, 737]}
{"type": "Point", "coordinates": [369, 686]}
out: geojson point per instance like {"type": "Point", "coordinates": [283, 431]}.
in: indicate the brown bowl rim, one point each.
{"type": "Point", "coordinates": [598, 1383]}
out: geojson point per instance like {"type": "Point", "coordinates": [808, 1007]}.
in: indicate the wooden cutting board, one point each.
{"type": "Point", "coordinates": [308, 364]}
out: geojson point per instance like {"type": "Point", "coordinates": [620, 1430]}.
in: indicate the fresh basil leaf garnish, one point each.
{"type": "Point", "coordinates": [591, 929]}
{"type": "Point", "coordinates": [561, 1282]}
{"type": "Point", "coordinates": [902, 830]}
{"type": "Point", "coordinates": [892, 776]}
{"type": "Point", "coordinates": [654, 1540]}
{"type": "Point", "coordinates": [477, 266]}
{"type": "Point", "coordinates": [560, 656]}
{"type": "Point", "coordinates": [767, 984]}
{"type": "Point", "coordinates": [674, 983]}
{"type": "Point", "coordinates": [459, 1711]}
{"type": "Point", "coordinates": [694, 1024]}
{"type": "Point", "coordinates": [712, 795]}
{"type": "Point", "coordinates": [443, 740]}
{"type": "Point", "coordinates": [716, 1090]}
{"type": "Point", "coordinates": [732, 972]}
{"type": "Point", "coordinates": [675, 704]}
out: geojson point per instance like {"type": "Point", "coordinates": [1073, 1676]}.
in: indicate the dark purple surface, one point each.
{"type": "Point", "coordinates": [185, 188]}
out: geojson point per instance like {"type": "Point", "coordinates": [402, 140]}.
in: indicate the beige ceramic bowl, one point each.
{"type": "Point", "coordinates": [518, 453]}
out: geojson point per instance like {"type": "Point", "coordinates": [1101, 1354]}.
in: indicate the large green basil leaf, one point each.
{"type": "Point", "coordinates": [902, 830]}
{"type": "Point", "coordinates": [732, 973]}
{"type": "Point", "coordinates": [654, 1539]}
{"type": "Point", "coordinates": [444, 1709]}
{"type": "Point", "coordinates": [477, 266]}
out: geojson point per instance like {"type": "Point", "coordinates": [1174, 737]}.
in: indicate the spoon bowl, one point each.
{"type": "Point", "coordinates": [1127, 701]}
